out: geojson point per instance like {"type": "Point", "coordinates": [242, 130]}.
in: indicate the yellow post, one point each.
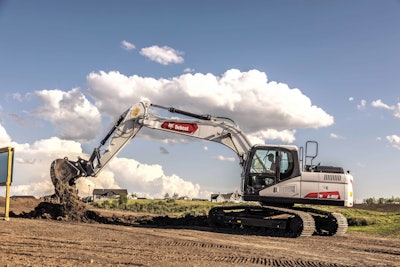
{"type": "Point", "coordinates": [8, 180]}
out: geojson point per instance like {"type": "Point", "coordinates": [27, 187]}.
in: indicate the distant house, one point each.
{"type": "Point", "coordinates": [99, 194]}
{"type": "Point", "coordinates": [229, 197]}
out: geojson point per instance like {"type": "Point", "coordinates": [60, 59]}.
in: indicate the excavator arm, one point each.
{"type": "Point", "coordinates": [206, 127]}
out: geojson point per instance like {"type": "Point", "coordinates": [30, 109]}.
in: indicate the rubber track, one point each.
{"type": "Point", "coordinates": [307, 220]}
{"type": "Point", "coordinates": [341, 222]}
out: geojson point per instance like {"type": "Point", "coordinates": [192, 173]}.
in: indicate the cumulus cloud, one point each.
{"type": "Point", "coordinates": [263, 109]}
{"type": "Point", "coordinates": [149, 179]}
{"type": "Point", "coordinates": [127, 45]}
{"type": "Point", "coordinates": [394, 108]}
{"type": "Point", "coordinates": [286, 136]}
{"type": "Point", "coordinates": [223, 158]}
{"type": "Point", "coordinates": [394, 140]}
{"type": "Point", "coordinates": [71, 113]}
{"type": "Point", "coordinates": [379, 104]}
{"type": "Point", "coordinates": [5, 139]}
{"type": "Point", "coordinates": [335, 136]}
{"type": "Point", "coordinates": [164, 55]}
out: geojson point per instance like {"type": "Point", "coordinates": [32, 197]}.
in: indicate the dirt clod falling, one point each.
{"type": "Point", "coordinates": [67, 204]}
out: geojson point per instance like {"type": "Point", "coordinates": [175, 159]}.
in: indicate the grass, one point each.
{"type": "Point", "coordinates": [377, 222]}
{"type": "Point", "coordinates": [361, 221]}
{"type": "Point", "coordinates": [161, 207]}
{"type": "Point", "coordinates": [370, 222]}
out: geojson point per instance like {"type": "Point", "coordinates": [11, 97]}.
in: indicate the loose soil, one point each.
{"type": "Point", "coordinates": [132, 239]}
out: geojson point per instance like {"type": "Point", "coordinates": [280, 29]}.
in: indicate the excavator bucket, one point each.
{"type": "Point", "coordinates": [63, 175]}
{"type": "Point", "coordinates": [63, 171]}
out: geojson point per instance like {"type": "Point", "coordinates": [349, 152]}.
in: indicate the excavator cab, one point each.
{"type": "Point", "coordinates": [268, 166]}
{"type": "Point", "coordinates": [284, 176]}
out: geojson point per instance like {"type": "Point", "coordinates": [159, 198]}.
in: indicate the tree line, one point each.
{"type": "Point", "coordinates": [381, 200]}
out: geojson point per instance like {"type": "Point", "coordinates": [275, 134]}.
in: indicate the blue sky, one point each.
{"type": "Point", "coordinates": [297, 71]}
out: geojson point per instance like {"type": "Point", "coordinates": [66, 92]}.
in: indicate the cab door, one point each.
{"type": "Point", "coordinates": [269, 166]}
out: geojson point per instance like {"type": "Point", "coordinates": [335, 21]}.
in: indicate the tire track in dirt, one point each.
{"type": "Point", "coordinates": [59, 243]}
{"type": "Point", "coordinates": [362, 246]}
{"type": "Point", "coordinates": [263, 261]}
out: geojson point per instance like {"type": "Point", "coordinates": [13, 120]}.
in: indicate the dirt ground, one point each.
{"type": "Point", "coordinates": [44, 242]}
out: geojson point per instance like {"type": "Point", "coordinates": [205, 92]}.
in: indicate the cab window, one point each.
{"type": "Point", "coordinates": [264, 164]}
{"type": "Point", "coordinates": [263, 161]}
{"type": "Point", "coordinates": [286, 165]}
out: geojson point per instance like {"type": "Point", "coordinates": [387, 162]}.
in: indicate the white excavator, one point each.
{"type": "Point", "coordinates": [281, 178]}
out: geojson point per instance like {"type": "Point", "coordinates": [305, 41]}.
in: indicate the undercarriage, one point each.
{"type": "Point", "coordinates": [278, 221]}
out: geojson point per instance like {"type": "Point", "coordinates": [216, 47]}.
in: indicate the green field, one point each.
{"type": "Point", "coordinates": [160, 207]}
{"type": "Point", "coordinates": [381, 223]}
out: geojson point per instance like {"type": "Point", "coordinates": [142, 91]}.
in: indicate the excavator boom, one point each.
{"type": "Point", "coordinates": [206, 127]}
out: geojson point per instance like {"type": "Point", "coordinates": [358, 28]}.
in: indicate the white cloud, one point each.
{"type": "Point", "coordinates": [379, 104]}
{"type": "Point", "coordinates": [286, 136]}
{"type": "Point", "coordinates": [188, 70]}
{"type": "Point", "coordinates": [263, 109]}
{"type": "Point", "coordinates": [70, 113]}
{"type": "Point", "coordinates": [223, 158]}
{"type": "Point", "coordinates": [5, 139]}
{"type": "Point", "coordinates": [351, 98]}
{"type": "Point", "coordinates": [127, 45]}
{"type": "Point", "coordinates": [394, 140]}
{"type": "Point", "coordinates": [362, 104]}
{"type": "Point", "coordinates": [164, 55]}
{"type": "Point", "coordinates": [150, 179]}
{"type": "Point", "coordinates": [396, 111]}
{"type": "Point", "coordinates": [335, 136]}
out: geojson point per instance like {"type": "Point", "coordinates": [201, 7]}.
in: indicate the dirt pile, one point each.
{"type": "Point", "coordinates": [67, 204]}
{"type": "Point", "coordinates": [54, 211]}
{"type": "Point", "coordinates": [63, 205]}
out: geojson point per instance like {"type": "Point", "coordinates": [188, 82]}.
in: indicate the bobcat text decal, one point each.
{"type": "Point", "coordinates": [180, 127]}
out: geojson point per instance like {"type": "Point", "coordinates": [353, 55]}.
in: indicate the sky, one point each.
{"type": "Point", "coordinates": [285, 71]}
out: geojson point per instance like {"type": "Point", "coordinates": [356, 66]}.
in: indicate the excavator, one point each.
{"type": "Point", "coordinates": [281, 179]}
